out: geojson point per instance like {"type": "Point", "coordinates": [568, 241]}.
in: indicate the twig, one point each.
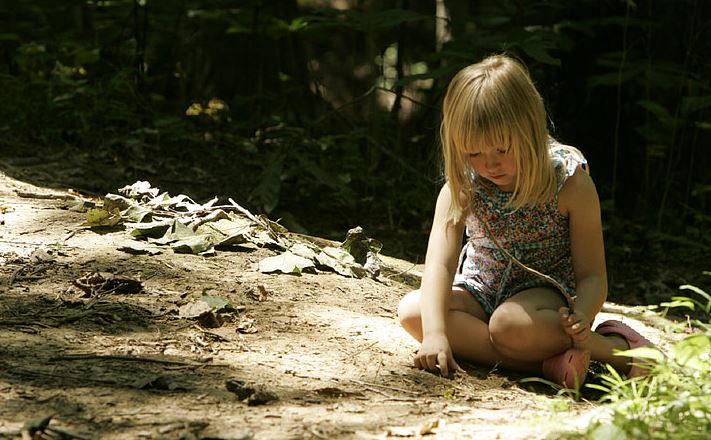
{"type": "Point", "coordinates": [352, 355]}
{"type": "Point", "coordinates": [246, 212]}
{"type": "Point", "coordinates": [18, 322]}
{"type": "Point", "coordinates": [402, 390]}
{"type": "Point", "coordinates": [80, 315]}
{"type": "Point", "coordinates": [34, 195]}
{"type": "Point", "coordinates": [401, 272]}
{"type": "Point", "coordinates": [274, 235]}
{"type": "Point", "coordinates": [21, 243]}
{"type": "Point", "coordinates": [569, 299]}
{"type": "Point", "coordinates": [33, 373]}
{"type": "Point", "coordinates": [214, 214]}
{"type": "Point", "coordinates": [29, 244]}
{"type": "Point", "coordinates": [82, 356]}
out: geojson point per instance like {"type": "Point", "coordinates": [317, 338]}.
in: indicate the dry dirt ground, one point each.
{"type": "Point", "coordinates": [317, 356]}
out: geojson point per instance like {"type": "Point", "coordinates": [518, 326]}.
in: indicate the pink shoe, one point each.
{"type": "Point", "coordinates": [633, 339]}
{"type": "Point", "coordinates": [568, 368]}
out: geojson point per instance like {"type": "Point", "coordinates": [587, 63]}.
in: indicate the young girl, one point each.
{"type": "Point", "coordinates": [521, 195]}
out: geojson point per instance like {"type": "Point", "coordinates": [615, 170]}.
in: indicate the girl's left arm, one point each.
{"type": "Point", "coordinates": [579, 198]}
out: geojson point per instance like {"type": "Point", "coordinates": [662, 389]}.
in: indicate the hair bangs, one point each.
{"type": "Point", "coordinates": [482, 126]}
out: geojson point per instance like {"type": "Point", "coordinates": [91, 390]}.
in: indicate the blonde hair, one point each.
{"type": "Point", "coordinates": [494, 103]}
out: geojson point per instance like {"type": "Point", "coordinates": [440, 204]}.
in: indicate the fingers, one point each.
{"type": "Point", "coordinates": [573, 321]}
{"type": "Point", "coordinates": [432, 362]}
{"type": "Point", "coordinates": [575, 325]}
{"type": "Point", "coordinates": [564, 312]}
{"type": "Point", "coordinates": [443, 363]}
{"type": "Point", "coordinates": [427, 361]}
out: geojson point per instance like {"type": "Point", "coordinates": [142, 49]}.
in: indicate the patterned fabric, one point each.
{"type": "Point", "coordinates": [538, 236]}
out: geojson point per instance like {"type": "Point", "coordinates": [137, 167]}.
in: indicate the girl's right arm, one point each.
{"type": "Point", "coordinates": [443, 250]}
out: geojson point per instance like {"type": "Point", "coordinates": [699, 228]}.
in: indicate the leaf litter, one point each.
{"type": "Point", "coordinates": [158, 219]}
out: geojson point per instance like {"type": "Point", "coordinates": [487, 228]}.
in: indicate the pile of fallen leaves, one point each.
{"type": "Point", "coordinates": [157, 220]}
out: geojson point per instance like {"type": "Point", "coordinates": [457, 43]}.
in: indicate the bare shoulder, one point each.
{"type": "Point", "coordinates": [578, 193]}
{"type": "Point", "coordinates": [443, 208]}
{"type": "Point", "coordinates": [444, 199]}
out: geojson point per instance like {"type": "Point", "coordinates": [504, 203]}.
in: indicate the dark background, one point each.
{"type": "Point", "coordinates": [325, 114]}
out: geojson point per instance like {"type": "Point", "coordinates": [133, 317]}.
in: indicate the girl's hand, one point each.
{"type": "Point", "coordinates": [576, 325]}
{"type": "Point", "coordinates": [435, 353]}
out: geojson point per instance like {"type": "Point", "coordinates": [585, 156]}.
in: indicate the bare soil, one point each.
{"type": "Point", "coordinates": [316, 356]}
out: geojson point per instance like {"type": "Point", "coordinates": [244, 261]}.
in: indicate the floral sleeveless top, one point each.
{"type": "Point", "coordinates": [536, 235]}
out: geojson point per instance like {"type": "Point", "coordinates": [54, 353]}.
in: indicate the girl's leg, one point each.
{"type": "Point", "coordinates": [527, 325]}
{"type": "Point", "coordinates": [467, 330]}
{"type": "Point", "coordinates": [602, 347]}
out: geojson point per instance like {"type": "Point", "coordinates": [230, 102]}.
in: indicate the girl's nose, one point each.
{"type": "Point", "coordinates": [492, 162]}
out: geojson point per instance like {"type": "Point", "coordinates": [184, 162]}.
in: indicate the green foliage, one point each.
{"type": "Point", "coordinates": [338, 109]}
{"type": "Point", "coordinates": [674, 402]}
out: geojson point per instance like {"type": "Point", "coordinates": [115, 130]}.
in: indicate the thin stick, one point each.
{"type": "Point", "coordinates": [569, 299]}
{"type": "Point", "coordinates": [33, 195]}
{"type": "Point", "coordinates": [21, 322]}
{"type": "Point", "coordinates": [82, 356]}
{"type": "Point", "coordinates": [360, 382]}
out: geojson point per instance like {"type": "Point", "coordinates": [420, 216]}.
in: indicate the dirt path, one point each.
{"type": "Point", "coordinates": [314, 356]}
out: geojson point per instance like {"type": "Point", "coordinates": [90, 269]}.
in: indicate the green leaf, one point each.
{"type": "Point", "coordinates": [216, 302]}
{"type": "Point", "coordinates": [393, 17]}
{"type": "Point", "coordinates": [656, 109]}
{"type": "Point", "coordinates": [9, 37]}
{"type": "Point", "coordinates": [180, 202]}
{"type": "Point", "coordinates": [642, 353]}
{"type": "Point", "coordinates": [226, 232]}
{"type": "Point", "coordinates": [304, 250]}
{"type": "Point", "coordinates": [269, 187]}
{"type": "Point", "coordinates": [361, 21]}
{"type": "Point", "coordinates": [693, 104]}
{"type": "Point", "coordinates": [140, 249]}
{"type": "Point", "coordinates": [81, 205]}
{"type": "Point", "coordinates": [340, 261]}
{"type": "Point", "coordinates": [688, 352]}
{"type": "Point", "coordinates": [679, 303]}
{"type": "Point", "coordinates": [112, 201]}
{"type": "Point", "coordinates": [154, 229]}
{"type": "Point", "coordinates": [608, 432]}
{"type": "Point", "coordinates": [537, 50]}
{"type": "Point", "coordinates": [139, 189]}
{"type": "Point", "coordinates": [359, 245]}
{"type": "Point", "coordinates": [136, 214]}
{"type": "Point", "coordinates": [198, 244]}
{"type": "Point", "coordinates": [87, 56]}
{"type": "Point", "coordinates": [286, 262]}
{"type": "Point", "coordinates": [102, 218]}
{"type": "Point", "coordinates": [614, 78]}
{"type": "Point", "coordinates": [238, 29]}
{"type": "Point", "coordinates": [441, 72]}
{"type": "Point", "coordinates": [696, 290]}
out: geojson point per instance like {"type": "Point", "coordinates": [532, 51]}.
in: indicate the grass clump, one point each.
{"type": "Point", "coordinates": [674, 401]}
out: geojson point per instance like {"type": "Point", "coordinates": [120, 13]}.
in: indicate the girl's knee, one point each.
{"type": "Point", "coordinates": [408, 312]}
{"type": "Point", "coordinates": [508, 328]}
{"type": "Point", "coordinates": [409, 306]}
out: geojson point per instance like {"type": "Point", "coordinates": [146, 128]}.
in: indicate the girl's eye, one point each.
{"type": "Point", "coordinates": [500, 151]}
{"type": "Point", "coordinates": [473, 154]}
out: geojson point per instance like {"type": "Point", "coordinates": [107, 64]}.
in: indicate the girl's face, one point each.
{"type": "Point", "coordinates": [496, 164]}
